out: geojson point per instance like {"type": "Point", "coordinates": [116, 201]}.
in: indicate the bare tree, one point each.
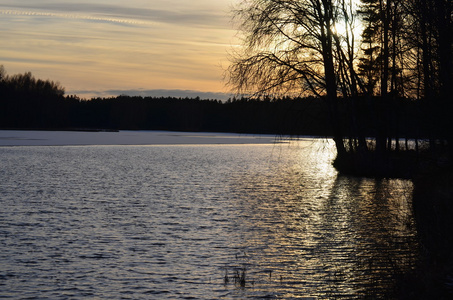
{"type": "Point", "coordinates": [2, 73]}
{"type": "Point", "coordinates": [308, 47]}
{"type": "Point", "coordinates": [291, 47]}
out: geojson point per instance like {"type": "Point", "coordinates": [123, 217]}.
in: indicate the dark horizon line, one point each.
{"type": "Point", "coordinates": [175, 93]}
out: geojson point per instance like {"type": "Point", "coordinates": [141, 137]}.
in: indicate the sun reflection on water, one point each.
{"type": "Point", "coordinates": [203, 222]}
{"type": "Point", "coordinates": [311, 232]}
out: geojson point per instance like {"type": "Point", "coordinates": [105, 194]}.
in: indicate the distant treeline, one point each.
{"type": "Point", "coordinates": [29, 103]}
{"type": "Point", "coordinates": [30, 106]}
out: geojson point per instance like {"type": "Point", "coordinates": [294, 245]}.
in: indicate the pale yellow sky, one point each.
{"type": "Point", "coordinates": [109, 47]}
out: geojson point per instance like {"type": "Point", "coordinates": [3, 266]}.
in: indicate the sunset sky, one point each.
{"type": "Point", "coordinates": [112, 47]}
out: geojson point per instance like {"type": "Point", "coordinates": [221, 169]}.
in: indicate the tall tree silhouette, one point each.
{"type": "Point", "coordinates": [307, 47]}
{"type": "Point", "coordinates": [291, 47]}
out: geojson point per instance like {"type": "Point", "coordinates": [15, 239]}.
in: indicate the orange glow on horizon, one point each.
{"type": "Point", "coordinates": [116, 47]}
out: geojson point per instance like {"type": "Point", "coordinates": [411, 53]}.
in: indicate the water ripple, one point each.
{"type": "Point", "coordinates": [197, 222]}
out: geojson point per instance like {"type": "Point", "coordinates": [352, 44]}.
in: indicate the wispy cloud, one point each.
{"type": "Point", "coordinates": [106, 19]}
{"type": "Point", "coordinates": [115, 13]}
{"type": "Point", "coordinates": [117, 46]}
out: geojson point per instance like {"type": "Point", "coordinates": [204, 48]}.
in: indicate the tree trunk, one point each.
{"type": "Point", "coordinates": [329, 73]}
{"type": "Point", "coordinates": [382, 113]}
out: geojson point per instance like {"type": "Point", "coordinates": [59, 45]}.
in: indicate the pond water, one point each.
{"type": "Point", "coordinates": [198, 222]}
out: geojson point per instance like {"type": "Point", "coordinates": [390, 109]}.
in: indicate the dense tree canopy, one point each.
{"type": "Point", "coordinates": [313, 47]}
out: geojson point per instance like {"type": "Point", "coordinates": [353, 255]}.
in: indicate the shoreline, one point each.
{"type": "Point", "coordinates": [77, 137]}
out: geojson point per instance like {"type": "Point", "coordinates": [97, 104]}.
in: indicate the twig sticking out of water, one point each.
{"type": "Point", "coordinates": [225, 278]}
{"type": "Point", "coordinates": [240, 277]}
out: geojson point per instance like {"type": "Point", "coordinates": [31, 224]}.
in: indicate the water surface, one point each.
{"type": "Point", "coordinates": [187, 221]}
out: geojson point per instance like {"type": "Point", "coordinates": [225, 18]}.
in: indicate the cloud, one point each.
{"type": "Point", "coordinates": [153, 93]}
{"type": "Point", "coordinates": [117, 46]}
{"type": "Point", "coordinates": [117, 13]}
{"type": "Point", "coordinates": [104, 19]}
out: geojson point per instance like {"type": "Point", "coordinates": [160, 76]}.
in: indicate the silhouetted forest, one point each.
{"type": "Point", "coordinates": [30, 103]}
{"type": "Point", "coordinates": [402, 51]}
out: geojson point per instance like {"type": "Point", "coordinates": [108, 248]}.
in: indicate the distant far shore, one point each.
{"type": "Point", "coordinates": [61, 129]}
{"type": "Point", "coordinates": [80, 136]}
